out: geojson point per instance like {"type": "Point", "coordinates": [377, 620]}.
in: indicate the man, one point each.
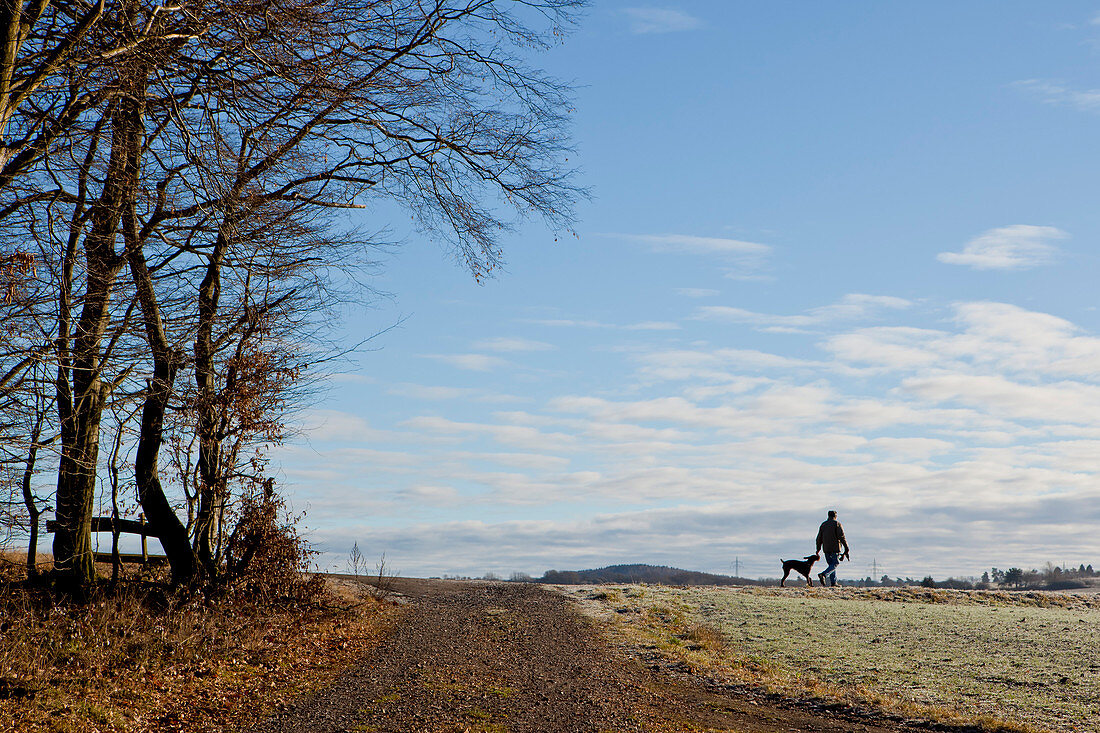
{"type": "Point", "coordinates": [830, 538]}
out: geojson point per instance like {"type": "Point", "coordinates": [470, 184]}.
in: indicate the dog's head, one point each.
{"type": "Point", "coordinates": [813, 558]}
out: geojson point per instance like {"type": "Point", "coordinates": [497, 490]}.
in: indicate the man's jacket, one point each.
{"type": "Point", "coordinates": [830, 537]}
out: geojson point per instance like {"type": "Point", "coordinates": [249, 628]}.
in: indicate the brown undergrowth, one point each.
{"type": "Point", "coordinates": [143, 660]}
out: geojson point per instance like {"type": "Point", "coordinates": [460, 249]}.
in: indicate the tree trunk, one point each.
{"type": "Point", "coordinates": [33, 512]}
{"type": "Point", "coordinates": [166, 360]}
{"type": "Point", "coordinates": [76, 478]}
{"type": "Point", "coordinates": [211, 482]}
{"type": "Point", "coordinates": [163, 521]}
{"type": "Point", "coordinates": [82, 394]}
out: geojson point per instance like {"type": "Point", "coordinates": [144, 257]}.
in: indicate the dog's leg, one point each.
{"type": "Point", "coordinates": [781, 583]}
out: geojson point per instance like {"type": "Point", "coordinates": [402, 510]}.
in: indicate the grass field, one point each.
{"type": "Point", "coordinates": [1006, 661]}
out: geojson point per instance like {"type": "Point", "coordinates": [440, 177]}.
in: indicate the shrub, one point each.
{"type": "Point", "coordinates": [266, 559]}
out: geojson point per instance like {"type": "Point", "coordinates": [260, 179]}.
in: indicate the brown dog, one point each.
{"type": "Point", "coordinates": [802, 567]}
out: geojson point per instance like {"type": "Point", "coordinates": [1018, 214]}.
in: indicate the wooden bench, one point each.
{"type": "Point", "coordinates": [124, 526]}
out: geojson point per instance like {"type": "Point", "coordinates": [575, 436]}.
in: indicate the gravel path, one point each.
{"type": "Point", "coordinates": [515, 658]}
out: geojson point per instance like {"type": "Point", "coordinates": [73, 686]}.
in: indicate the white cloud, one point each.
{"type": "Point", "coordinates": [1015, 247]}
{"type": "Point", "coordinates": [574, 323]}
{"type": "Point", "coordinates": [429, 392]}
{"type": "Point", "coordinates": [1079, 456]}
{"type": "Point", "coordinates": [854, 306]}
{"type": "Point", "coordinates": [654, 326]}
{"type": "Point", "coordinates": [429, 494]}
{"type": "Point", "coordinates": [697, 292]}
{"type": "Point", "coordinates": [568, 323]}
{"type": "Point", "coordinates": [918, 448]}
{"type": "Point", "coordinates": [513, 435]}
{"type": "Point", "coordinates": [720, 365]}
{"type": "Point", "coordinates": [507, 345]}
{"type": "Point", "coordinates": [746, 276]}
{"type": "Point", "coordinates": [742, 260]}
{"type": "Point", "coordinates": [530, 461]}
{"type": "Point", "coordinates": [335, 425]}
{"type": "Point", "coordinates": [689, 244]}
{"type": "Point", "coordinates": [1050, 92]}
{"type": "Point", "coordinates": [660, 20]}
{"type": "Point", "coordinates": [1057, 403]}
{"type": "Point", "coordinates": [675, 410]}
{"type": "Point", "coordinates": [887, 347]}
{"type": "Point", "coordinates": [731, 385]}
{"type": "Point", "coordinates": [880, 414]}
{"type": "Point", "coordinates": [859, 305]}
{"type": "Point", "coordinates": [1013, 339]}
{"type": "Point", "coordinates": [992, 336]}
{"type": "Point", "coordinates": [471, 362]}
{"type": "Point", "coordinates": [767, 412]}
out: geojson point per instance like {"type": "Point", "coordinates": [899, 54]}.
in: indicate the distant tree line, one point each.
{"type": "Point", "coordinates": [1050, 578]}
{"type": "Point", "coordinates": [639, 573]}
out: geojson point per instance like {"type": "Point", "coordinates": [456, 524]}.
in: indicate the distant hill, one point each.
{"type": "Point", "coordinates": [654, 574]}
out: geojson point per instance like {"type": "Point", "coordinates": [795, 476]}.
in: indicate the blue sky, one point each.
{"type": "Point", "coordinates": [837, 256]}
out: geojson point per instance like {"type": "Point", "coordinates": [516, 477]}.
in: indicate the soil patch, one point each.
{"type": "Point", "coordinates": [470, 657]}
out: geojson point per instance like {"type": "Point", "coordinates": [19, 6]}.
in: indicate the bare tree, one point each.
{"type": "Point", "coordinates": [38, 42]}
{"type": "Point", "coordinates": [24, 398]}
{"type": "Point", "coordinates": [391, 108]}
{"type": "Point", "coordinates": [220, 139]}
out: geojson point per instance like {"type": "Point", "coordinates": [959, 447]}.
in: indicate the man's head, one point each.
{"type": "Point", "coordinates": [832, 514]}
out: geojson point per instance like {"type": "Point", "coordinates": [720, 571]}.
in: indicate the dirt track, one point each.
{"type": "Point", "coordinates": [493, 658]}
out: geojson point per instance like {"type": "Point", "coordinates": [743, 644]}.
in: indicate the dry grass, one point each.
{"type": "Point", "coordinates": [998, 661]}
{"type": "Point", "coordinates": [140, 661]}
